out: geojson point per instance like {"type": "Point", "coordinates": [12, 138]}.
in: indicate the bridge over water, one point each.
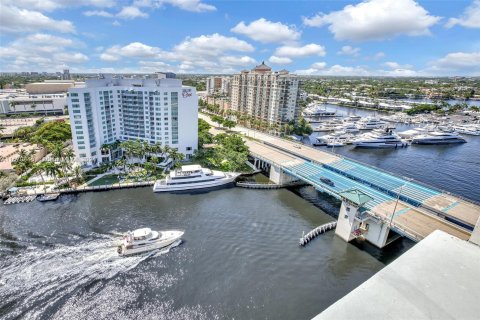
{"type": "Point", "coordinates": [373, 201]}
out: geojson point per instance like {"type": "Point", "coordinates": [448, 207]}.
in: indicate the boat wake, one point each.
{"type": "Point", "coordinates": [38, 278]}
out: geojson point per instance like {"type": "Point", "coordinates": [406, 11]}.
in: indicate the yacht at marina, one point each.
{"type": "Point", "coordinates": [193, 177]}
{"type": "Point", "coordinates": [411, 133]}
{"type": "Point", "coordinates": [317, 111]}
{"type": "Point", "coordinates": [438, 137]}
{"type": "Point", "coordinates": [469, 129]}
{"type": "Point", "coordinates": [143, 240]}
{"type": "Point", "coordinates": [352, 118]}
{"type": "Point", "coordinates": [371, 123]}
{"type": "Point", "coordinates": [377, 139]}
{"type": "Point", "coordinates": [349, 127]}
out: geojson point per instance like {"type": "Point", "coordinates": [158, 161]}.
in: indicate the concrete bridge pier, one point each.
{"type": "Point", "coordinates": [354, 221]}
{"type": "Point", "coordinates": [279, 176]}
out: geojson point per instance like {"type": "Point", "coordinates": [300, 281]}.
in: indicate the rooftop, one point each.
{"type": "Point", "coordinates": [437, 279]}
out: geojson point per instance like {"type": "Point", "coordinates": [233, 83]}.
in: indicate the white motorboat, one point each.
{"type": "Point", "coordinates": [48, 197]}
{"type": "Point", "coordinates": [371, 123]}
{"type": "Point", "coordinates": [143, 240]}
{"type": "Point", "coordinates": [385, 139]}
{"type": "Point", "coordinates": [438, 137]}
{"type": "Point", "coordinates": [193, 177]}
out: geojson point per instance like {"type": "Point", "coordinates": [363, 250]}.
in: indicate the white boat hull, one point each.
{"type": "Point", "coordinates": [194, 185]}
{"type": "Point", "coordinates": [171, 237]}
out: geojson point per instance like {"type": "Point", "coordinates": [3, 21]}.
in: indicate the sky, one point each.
{"type": "Point", "coordinates": [316, 37]}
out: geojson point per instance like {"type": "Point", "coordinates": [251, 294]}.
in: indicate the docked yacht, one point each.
{"type": "Point", "coordinates": [352, 118]}
{"type": "Point", "coordinates": [438, 137]}
{"type": "Point", "coordinates": [371, 123]}
{"type": "Point", "coordinates": [317, 111]}
{"type": "Point", "coordinates": [385, 139]}
{"type": "Point", "coordinates": [339, 136]}
{"type": "Point", "coordinates": [193, 177]}
{"type": "Point", "coordinates": [349, 127]}
{"type": "Point", "coordinates": [469, 129]}
{"type": "Point", "coordinates": [411, 133]}
{"type": "Point", "coordinates": [143, 240]}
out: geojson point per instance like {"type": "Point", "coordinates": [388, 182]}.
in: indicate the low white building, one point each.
{"type": "Point", "coordinates": [19, 101]}
{"type": "Point", "coordinates": [153, 110]}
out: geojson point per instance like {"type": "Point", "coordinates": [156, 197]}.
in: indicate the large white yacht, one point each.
{"type": "Point", "coordinates": [438, 137]}
{"type": "Point", "coordinates": [377, 139]}
{"type": "Point", "coordinates": [143, 240]}
{"type": "Point", "coordinates": [193, 177]}
{"type": "Point", "coordinates": [371, 123]}
{"type": "Point", "coordinates": [317, 111]}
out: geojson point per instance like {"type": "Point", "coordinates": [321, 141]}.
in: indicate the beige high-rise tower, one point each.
{"type": "Point", "coordinates": [266, 95]}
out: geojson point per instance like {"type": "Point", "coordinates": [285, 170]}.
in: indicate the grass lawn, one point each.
{"type": "Point", "coordinates": [105, 180]}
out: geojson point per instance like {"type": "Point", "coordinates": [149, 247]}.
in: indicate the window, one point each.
{"type": "Point", "coordinates": [189, 148]}
{"type": "Point", "coordinates": [83, 155]}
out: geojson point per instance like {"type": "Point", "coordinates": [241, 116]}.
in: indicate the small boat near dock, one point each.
{"type": "Point", "coordinates": [48, 197]}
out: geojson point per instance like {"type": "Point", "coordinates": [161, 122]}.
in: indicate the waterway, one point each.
{"type": "Point", "coordinates": [454, 168]}
{"type": "Point", "coordinates": [239, 259]}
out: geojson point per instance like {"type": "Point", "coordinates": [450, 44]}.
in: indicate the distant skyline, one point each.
{"type": "Point", "coordinates": [336, 38]}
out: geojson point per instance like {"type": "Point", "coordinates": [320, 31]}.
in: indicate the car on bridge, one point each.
{"type": "Point", "coordinates": [327, 181]}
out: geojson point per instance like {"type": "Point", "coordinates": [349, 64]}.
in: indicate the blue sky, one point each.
{"type": "Point", "coordinates": [370, 37]}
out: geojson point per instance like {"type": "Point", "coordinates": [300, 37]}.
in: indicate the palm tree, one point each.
{"type": "Point", "coordinates": [51, 169]}
{"type": "Point", "coordinates": [77, 171]}
{"type": "Point", "coordinates": [33, 106]}
{"type": "Point", "coordinates": [39, 168]}
{"type": "Point", "coordinates": [176, 156]}
{"type": "Point", "coordinates": [13, 105]}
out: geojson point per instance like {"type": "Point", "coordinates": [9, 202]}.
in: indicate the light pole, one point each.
{"type": "Point", "coordinates": [396, 202]}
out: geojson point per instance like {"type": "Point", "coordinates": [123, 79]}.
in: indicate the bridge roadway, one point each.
{"type": "Point", "coordinates": [421, 208]}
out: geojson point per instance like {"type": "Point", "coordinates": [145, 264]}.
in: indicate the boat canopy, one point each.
{"type": "Point", "coordinates": [141, 232]}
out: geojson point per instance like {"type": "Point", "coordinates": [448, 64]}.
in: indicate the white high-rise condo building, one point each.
{"type": "Point", "coordinates": [266, 95]}
{"type": "Point", "coordinates": [218, 85]}
{"type": "Point", "coordinates": [154, 110]}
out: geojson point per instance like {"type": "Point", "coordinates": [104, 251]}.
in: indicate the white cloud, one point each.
{"type": "Point", "coordinates": [187, 5]}
{"type": "Point", "coordinates": [132, 50]}
{"type": "Point", "coordinates": [213, 53]}
{"type": "Point", "coordinates": [266, 31]}
{"type": "Point", "coordinates": [280, 60]}
{"type": "Point", "coordinates": [237, 61]}
{"type": "Point", "coordinates": [311, 49]}
{"type": "Point", "coordinates": [99, 13]}
{"type": "Point", "coordinates": [41, 52]}
{"type": "Point", "coordinates": [396, 65]}
{"type": "Point", "coordinates": [131, 12]}
{"type": "Point", "coordinates": [116, 23]}
{"type": "Point", "coordinates": [51, 5]}
{"type": "Point", "coordinates": [212, 45]}
{"type": "Point", "coordinates": [336, 70]}
{"type": "Point", "coordinates": [470, 17]}
{"type": "Point", "coordinates": [459, 61]}
{"type": "Point", "coordinates": [376, 20]}
{"type": "Point", "coordinates": [319, 65]}
{"type": "Point", "coordinates": [13, 19]}
{"type": "Point", "coordinates": [349, 51]}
